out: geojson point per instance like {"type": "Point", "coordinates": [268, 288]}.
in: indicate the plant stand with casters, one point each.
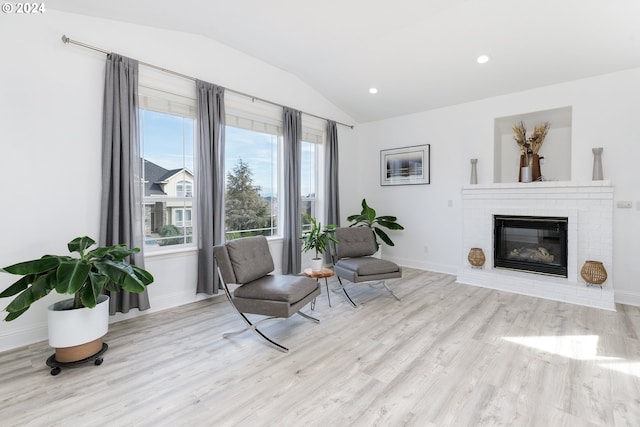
{"type": "Point", "coordinates": [56, 367]}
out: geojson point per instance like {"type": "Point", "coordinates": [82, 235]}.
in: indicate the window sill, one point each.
{"type": "Point", "coordinates": [190, 250]}
{"type": "Point", "coordinates": [171, 252]}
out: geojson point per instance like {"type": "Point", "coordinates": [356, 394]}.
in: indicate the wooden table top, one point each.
{"type": "Point", "coordinates": [325, 272]}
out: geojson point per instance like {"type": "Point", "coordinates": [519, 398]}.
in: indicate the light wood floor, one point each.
{"type": "Point", "coordinates": [447, 354]}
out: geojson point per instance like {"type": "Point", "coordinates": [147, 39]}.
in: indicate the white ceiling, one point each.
{"type": "Point", "coordinates": [420, 54]}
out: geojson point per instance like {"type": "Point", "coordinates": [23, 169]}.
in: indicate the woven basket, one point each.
{"type": "Point", "coordinates": [476, 257]}
{"type": "Point", "coordinates": [593, 272]}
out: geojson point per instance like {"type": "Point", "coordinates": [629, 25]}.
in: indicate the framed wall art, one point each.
{"type": "Point", "coordinates": [405, 166]}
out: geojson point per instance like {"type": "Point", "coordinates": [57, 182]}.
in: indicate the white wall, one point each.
{"type": "Point", "coordinates": [605, 110]}
{"type": "Point", "coordinates": [50, 132]}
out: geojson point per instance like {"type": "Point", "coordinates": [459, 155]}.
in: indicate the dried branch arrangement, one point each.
{"type": "Point", "coordinates": [537, 138]}
{"type": "Point", "coordinates": [521, 137]}
{"type": "Point", "coordinates": [532, 144]}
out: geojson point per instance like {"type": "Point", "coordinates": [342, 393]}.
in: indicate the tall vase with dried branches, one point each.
{"type": "Point", "coordinates": [530, 147]}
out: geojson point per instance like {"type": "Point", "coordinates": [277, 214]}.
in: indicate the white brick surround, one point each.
{"type": "Point", "coordinates": [589, 209]}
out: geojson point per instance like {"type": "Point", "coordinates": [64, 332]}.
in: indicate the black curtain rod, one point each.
{"type": "Point", "coordinates": [67, 40]}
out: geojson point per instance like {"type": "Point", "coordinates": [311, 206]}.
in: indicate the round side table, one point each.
{"type": "Point", "coordinates": [323, 273]}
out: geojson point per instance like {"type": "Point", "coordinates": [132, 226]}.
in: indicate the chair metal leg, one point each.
{"type": "Point", "coordinates": [271, 342]}
{"type": "Point", "coordinates": [250, 326]}
{"type": "Point", "coordinates": [390, 291]}
{"type": "Point", "coordinates": [345, 292]}
{"type": "Point", "coordinates": [306, 316]}
{"type": "Point", "coordinates": [254, 327]}
{"type": "Point", "coordinates": [326, 284]}
{"type": "Point", "coordinates": [381, 281]}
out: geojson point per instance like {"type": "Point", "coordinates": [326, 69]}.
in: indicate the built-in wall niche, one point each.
{"type": "Point", "coordinates": [555, 151]}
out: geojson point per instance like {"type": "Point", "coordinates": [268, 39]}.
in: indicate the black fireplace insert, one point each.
{"type": "Point", "coordinates": [531, 243]}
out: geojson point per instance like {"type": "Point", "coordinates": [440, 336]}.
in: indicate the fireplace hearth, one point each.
{"type": "Point", "coordinates": [535, 244]}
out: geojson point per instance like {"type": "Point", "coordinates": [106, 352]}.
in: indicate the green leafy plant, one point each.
{"type": "Point", "coordinates": [86, 277]}
{"type": "Point", "coordinates": [316, 238]}
{"type": "Point", "coordinates": [367, 218]}
{"type": "Point", "coordinates": [169, 230]}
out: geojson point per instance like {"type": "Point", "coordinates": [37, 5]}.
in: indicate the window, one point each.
{"type": "Point", "coordinates": [253, 139]}
{"type": "Point", "coordinates": [167, 139]}
{"type": "Point", "coordinates": [251, 198]}
{"type": "Point", "coordinates": [182, 218]}
{"type": "Point", "coordinates": [184, 189]}
{"type": "Point", "coordinates": [309, 178]}
{"type": "Point", "coordinates": [311, 170]}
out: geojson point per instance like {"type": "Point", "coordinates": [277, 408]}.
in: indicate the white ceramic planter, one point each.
{"type": "Point", "coordinates": [316, 264]}
{"type": "Point", "coordinates": [72, 327]}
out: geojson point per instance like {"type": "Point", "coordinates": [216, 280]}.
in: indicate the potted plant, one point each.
{"type": "Point", "coordinates": [86, 278]}
{"type": "Point", "coordinates": [316, 239]}
{"type": "Point", "coordinates": [367, 218]}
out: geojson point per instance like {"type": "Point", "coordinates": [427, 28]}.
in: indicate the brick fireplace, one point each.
{"type": "Point", "coordinates": [588, 210]}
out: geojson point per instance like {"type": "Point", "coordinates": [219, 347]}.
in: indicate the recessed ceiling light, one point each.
{"type": "Point", "coordinates": [483, 59]}
{"type": "Point", "coordinates": [373, 90]}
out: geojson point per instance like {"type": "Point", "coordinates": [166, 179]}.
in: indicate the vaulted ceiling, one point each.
{"type": "Point", "coordinates": [419, 54]}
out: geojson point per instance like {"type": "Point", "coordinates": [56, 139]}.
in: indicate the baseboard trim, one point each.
{"type": "Point", "coordinates": [160, 304]}
{"type": "Point", "coordinates": [22, 337]}
{"type": "Point", "coordinates": [628, 298]}
{"type": "Point", "coordinates": [427, 266]}
{"type": "Point", "coordinates": [16, 338]}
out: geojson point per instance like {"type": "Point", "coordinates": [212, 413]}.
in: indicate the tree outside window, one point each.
{"type": "Point", "coordinates": [247, 213]}
{"type": "Point", "coordinates": [251, 199]}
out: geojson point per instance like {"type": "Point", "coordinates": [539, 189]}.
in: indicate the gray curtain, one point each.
{"type": "Point", "coordinates": [292, 221]}
{"type": "Point", "coordinates": [332, 194]}
{"type": "Point", "coordinates": [210, 183]}
{"type": "Point", "coordinates": [120, 220]}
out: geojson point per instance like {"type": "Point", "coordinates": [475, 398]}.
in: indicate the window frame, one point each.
{"type": "Point", "coordinates": [183, 213]}
{"type": "Point", "coordinates": [187, 192]}
{"type": "Point", "coordinates": [244, 113]}
{"type": "Point", "coordinates": [312, 200]}
{"type": "Point", "coordinates": [166, 94]}
{"type": "Point", "coordinates": [314, 132]}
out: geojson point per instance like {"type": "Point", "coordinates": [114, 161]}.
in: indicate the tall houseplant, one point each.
{"type": "Point", "coordinates": [86, 277]}
{"type": "Point", "coordinates": [367, 218]}
{"type": "Point", "coordinates": [317, 239]}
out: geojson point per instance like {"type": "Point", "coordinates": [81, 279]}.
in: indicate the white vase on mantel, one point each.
{"type": "Point", "coordinates": [474, 172]}
{"type": "Point", "coordinates": [597, 164]}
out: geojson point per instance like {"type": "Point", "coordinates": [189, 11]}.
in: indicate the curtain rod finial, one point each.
{"type": "Point", "coordinates": [65, 39]}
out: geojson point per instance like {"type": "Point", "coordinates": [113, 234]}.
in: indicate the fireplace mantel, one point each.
{"type": "Point", "coordinates": [539, 185]}
{"type": "Point", "coordinates": [589, 209]}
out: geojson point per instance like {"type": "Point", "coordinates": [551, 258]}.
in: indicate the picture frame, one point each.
{"type": "Point", "coordinates": [406, 165]}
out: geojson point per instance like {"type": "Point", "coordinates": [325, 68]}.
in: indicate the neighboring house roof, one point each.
{"type": "Point", "coordinates": [167, 176]}
{"type": "Point", "coordinates": [152, 176]}
{"type": "Point", "coordinates": [156, 175]}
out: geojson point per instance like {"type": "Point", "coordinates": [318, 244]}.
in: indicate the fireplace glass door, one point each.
{"type": "Point", "coordinates": [533, 244]}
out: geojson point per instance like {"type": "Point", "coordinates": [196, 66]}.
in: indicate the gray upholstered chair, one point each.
{"type": "Point", "coordinates": [352, 259]}
{"type": "Point", "coordinates": [247, 262]}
